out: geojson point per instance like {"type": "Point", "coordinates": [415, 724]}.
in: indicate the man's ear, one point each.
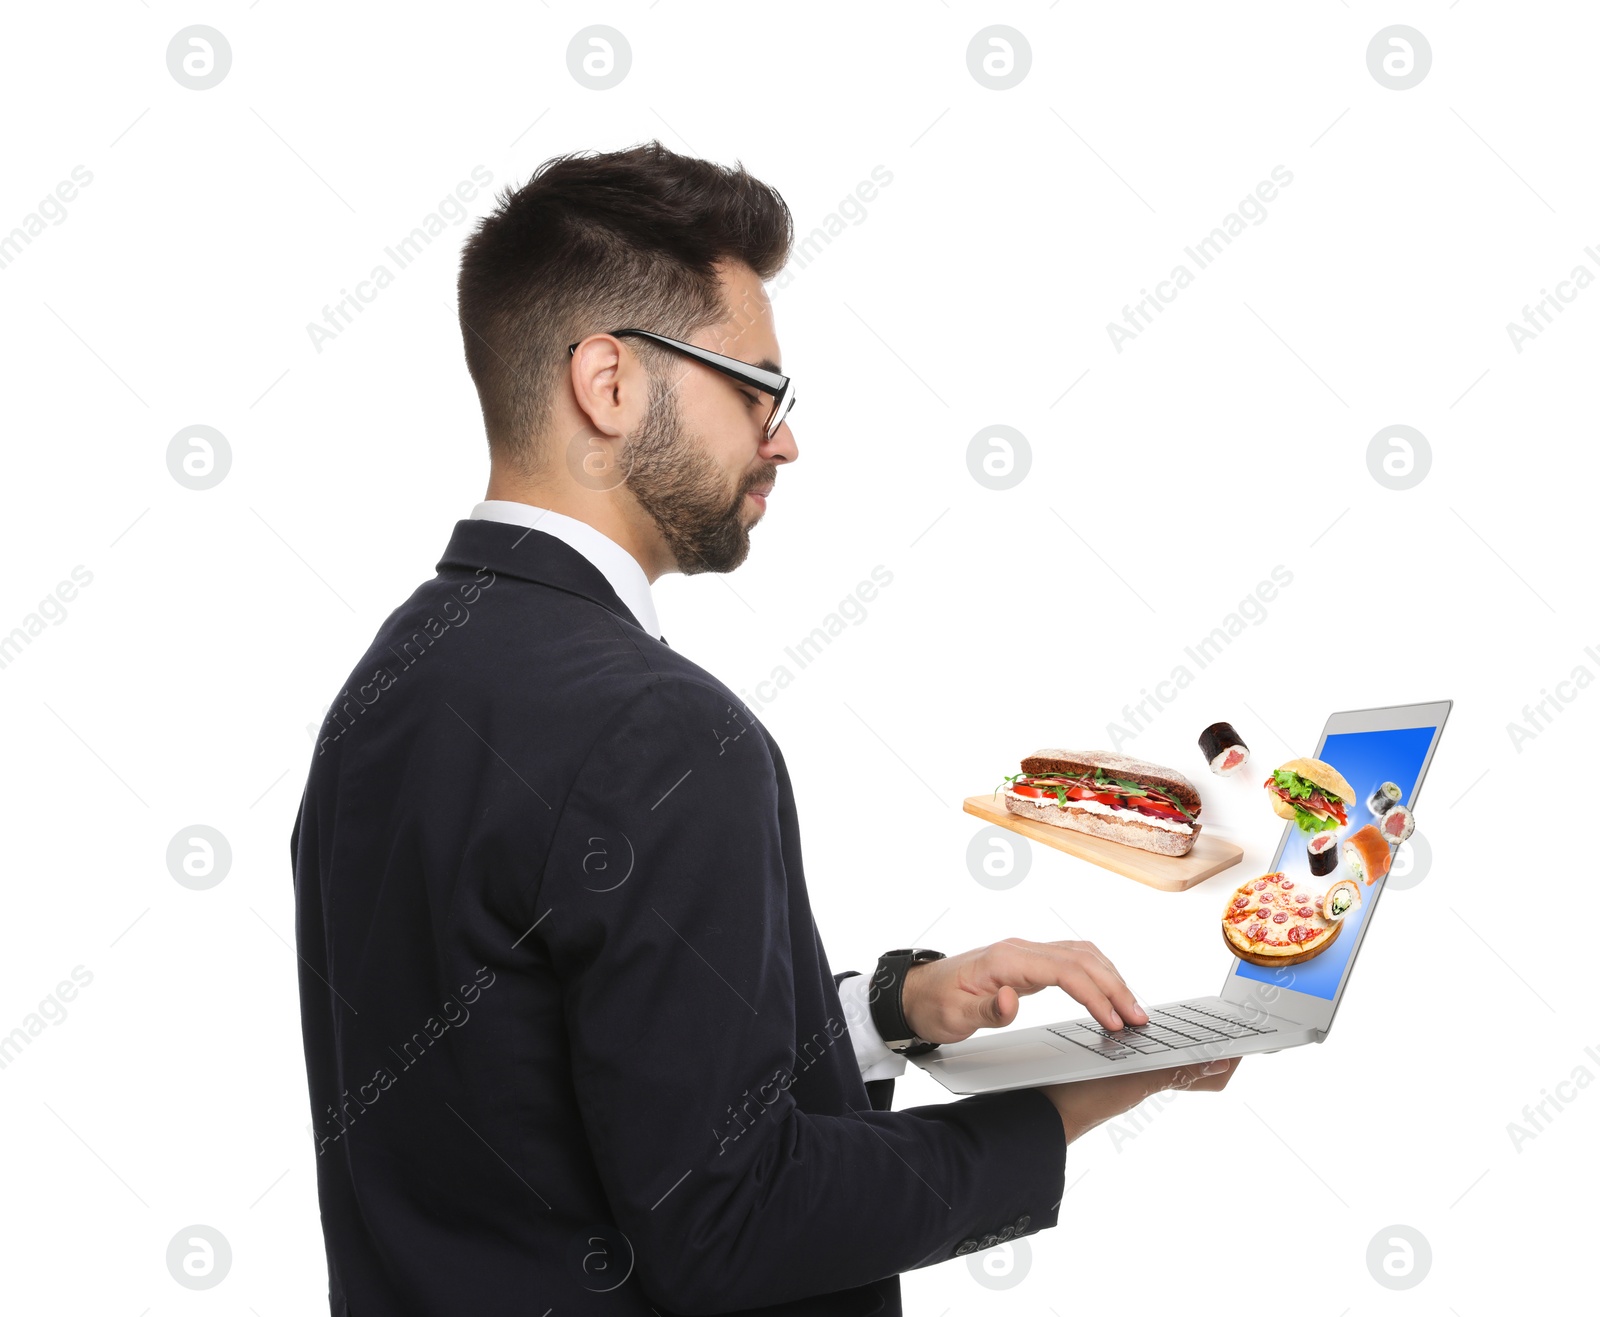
{"type": "Point", "coordinates": [608, 385]}
{"type": "Point", "coordinates": [611, 390]}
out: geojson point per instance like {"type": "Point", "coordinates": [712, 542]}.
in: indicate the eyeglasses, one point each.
{"type": "Point", "coordinates": [757, 377]}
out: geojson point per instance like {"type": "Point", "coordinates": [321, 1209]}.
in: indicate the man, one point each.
{"type": "Point", "coordinates": [573, 1042]}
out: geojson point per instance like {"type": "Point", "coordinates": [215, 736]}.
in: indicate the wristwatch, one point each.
{"type": "Point", "coordinates": [885, 1001]}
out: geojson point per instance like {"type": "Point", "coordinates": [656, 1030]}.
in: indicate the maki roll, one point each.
{"type": "Point", "coordinates": [1384, 798]}
{"type": "Point", "coordinates": [1323, 853]}
{"type": "Point", "coordinates": [1397, 825]}
{"type": "Point", "coordinates": [1224, 749]}
{"type": "Point", "coordinates": [1339, 900]}
{"type": "Point", "coordinates": [1367, 855]}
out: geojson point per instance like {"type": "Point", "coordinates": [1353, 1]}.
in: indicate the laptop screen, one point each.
{"type": "Point", "coordinates": [1366, 760]}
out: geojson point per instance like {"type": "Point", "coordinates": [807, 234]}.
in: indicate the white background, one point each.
{"type": "Point", "coordinates": [1166, 480]}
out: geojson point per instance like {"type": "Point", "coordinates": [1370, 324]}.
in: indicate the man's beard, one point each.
{"type": "Point", "coordinates": [684, 493]}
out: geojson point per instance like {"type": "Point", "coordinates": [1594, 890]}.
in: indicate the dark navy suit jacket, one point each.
{"type": "Point", "coordinates": [572, 1039]}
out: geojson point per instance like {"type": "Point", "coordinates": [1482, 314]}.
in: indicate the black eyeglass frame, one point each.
{"type": "Point", "coordinates": [781, 387]}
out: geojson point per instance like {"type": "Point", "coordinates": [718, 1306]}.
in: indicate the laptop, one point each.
{"type": "Point", "coordinates": [1258, 1009]}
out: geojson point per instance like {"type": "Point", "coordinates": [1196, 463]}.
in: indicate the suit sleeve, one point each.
{"type": "Point", "coordinates": [664, 909]}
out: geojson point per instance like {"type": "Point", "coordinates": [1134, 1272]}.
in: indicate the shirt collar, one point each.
{"type": "Point", "coordinates": [620, 568]}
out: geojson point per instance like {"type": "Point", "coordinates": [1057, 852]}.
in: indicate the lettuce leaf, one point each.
{"type": "Point", "coordinates": [1298, 788]}
{"type": "Point", "coordinates": [1313, 822]}
{"type": "Point", "coordinates": [1294, 784]}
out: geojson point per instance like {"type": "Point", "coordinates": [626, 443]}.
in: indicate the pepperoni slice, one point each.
{"type": "Point", "coordinates": [1240, 901]}
{"type": "Point", "coordinates": [1255, 932]}
{"type": "Point", "coordinates": [1304, 912]}
{"type": "Point", "coordinates": [1281, 917]}
{"type": "Point", "coordinates": [1288, 883]}
{"type": "Point", "coordinates": [1260, 883]}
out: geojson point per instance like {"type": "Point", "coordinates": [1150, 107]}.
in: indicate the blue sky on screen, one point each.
{"type": "Point", "coordinates": [1365, 759]}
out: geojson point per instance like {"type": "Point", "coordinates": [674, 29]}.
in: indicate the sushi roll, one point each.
{"type": "Point", "coordinates": [1224, 749]}
{"type": "Point", "coordinates": [1397, 825]}
{"type": "Point", "coordinates": [1323, 853]}
{"type": "Point", "coordinates": [1383, 799]}
{"type": "Point", "coordinates": [1367, 855]}
{"type": "Point", "coordinates": [1339, 900]}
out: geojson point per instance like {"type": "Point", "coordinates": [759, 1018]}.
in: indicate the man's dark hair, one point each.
{"type": "Point", "coordinates": [595, 242]}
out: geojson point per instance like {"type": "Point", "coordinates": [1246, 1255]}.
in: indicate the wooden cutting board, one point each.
{"type": "Point", "coordinates": [1167, 873]}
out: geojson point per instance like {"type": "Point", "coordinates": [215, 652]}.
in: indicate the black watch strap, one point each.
{"type": "Point", "coordinates": [887, 1005]}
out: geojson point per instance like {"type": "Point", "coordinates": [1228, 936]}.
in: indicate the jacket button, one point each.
{"type": "Point", "coordinates": [966, 1246]}
{"type": "Point", "coordinates": [989, 1241]}
{"type": "Point", "coordinates": [1022, 1222]}
{"type": "Point", "coordinates": [1005, 1233]}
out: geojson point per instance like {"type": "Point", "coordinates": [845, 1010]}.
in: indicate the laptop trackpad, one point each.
{"type": "Point", "coordinates": [1017, 1054]}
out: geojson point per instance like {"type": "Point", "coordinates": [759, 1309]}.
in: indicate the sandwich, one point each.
{"type": "Point", "coordinates": [1107, 795]}
{"type": "Point", "coordinates": [1311, 794]}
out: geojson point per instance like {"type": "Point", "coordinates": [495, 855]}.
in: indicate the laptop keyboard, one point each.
{"type": "Point", "coordinates": [1170, 1028]}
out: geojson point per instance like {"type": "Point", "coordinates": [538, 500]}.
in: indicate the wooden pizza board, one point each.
{"type": "Point", "coordinates": [1167, 873]}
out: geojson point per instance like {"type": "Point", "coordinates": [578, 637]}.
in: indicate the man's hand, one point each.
{"type": "Point", "coordinates": [951, 999]}
{"type": "Point", "coordinates": [1094, 1101]}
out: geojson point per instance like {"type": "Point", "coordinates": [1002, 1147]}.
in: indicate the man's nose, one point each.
{"type": "Point", "coordinates": [781, 447]}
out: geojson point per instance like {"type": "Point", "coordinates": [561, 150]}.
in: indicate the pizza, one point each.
{"type": "Point", "coordinates": [1273, 920]}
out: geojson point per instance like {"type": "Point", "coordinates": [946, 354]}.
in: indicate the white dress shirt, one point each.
{"type": "Point", "coordinates": [615, 563]}
{"type": "Point", "coordinates": [876, 1060]}
{"type": "Point", "coordinates": [622, 570]}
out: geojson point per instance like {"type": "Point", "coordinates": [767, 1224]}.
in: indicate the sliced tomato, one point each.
{"type": "Point", "coordinates": [1320, 804]}
{"type": "Point", "coordinates": [1089, 793]}
{"type": "Point", "coordinates": [1046, 789]}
